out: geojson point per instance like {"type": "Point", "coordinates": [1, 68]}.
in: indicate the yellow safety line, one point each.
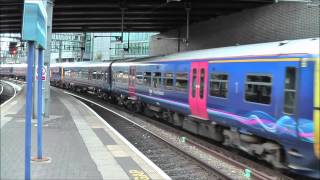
{"type": "Point", "coordinates": [316, 112]}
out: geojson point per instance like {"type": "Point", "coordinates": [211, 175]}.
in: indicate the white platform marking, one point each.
{"type": "Point", "coordinates": [134, 149]}
{"type": "Point", "coordinates": [106, 164]}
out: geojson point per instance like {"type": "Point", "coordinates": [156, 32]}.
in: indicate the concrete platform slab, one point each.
{"type": "Point", "coordinates": [80, 144]}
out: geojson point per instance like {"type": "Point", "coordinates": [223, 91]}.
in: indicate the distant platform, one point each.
{"type": "Point", "coordinates": [79, 144]}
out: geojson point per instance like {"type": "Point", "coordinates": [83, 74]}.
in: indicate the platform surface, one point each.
{"type": "Point", "coordinates": [79, 143]}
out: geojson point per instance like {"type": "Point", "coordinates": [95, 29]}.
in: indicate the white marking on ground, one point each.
{"type": "Point", "coordinates": [117, 151]}
{"type": "Point", "coordinates": [1, 89]}
{"type": "Point", "coordinates": [106, 164]}
{"type": "Point", "coordinates": [147, 160]}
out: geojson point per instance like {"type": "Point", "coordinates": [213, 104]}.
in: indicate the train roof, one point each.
{"type": "Point", "coordinates": [91, 63]}
{"type": "Point", "coordinates": [301, 46]}
{"type": "Point", "coordinates": [13, 65]}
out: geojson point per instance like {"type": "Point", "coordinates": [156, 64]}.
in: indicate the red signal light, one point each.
{"type": "Point", "coordinates": [14, 51]}
{"type": "Point", "coordinates": [13, 48]}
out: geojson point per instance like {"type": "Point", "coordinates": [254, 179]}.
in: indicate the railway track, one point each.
{"type": "Point", "coordinates": [6, 92]}
{"type": "Point", "coordinates": [209, 162]}
{"type": "Point", "coordinates": [174, 161]}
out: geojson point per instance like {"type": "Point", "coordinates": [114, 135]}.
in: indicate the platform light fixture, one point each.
{"type": "Point", "coordinates": [169, 1]}
{"type": "Point", "coordinates": [299, 1]}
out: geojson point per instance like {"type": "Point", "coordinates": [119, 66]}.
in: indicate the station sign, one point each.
{"type": "Point", "coordinates": [34, 26]}
{"type": "Point", "coordinates": [44, 73]}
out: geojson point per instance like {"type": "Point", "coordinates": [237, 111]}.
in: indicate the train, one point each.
{"type": "Point", "coordinates": [263, 99]}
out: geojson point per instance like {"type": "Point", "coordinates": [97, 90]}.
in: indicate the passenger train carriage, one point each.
{"type": "Point", "coordinates": [261, 98]}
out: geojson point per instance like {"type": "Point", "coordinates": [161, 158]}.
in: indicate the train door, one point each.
{"type": "Point", "coordinates": [198, 89]}
{"type": "Point", "coordinates": [62, 74]}
{"type": "Point", "coordinates": [131, 85]}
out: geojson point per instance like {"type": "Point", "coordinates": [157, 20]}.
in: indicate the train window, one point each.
{"type": "Point", "coordinates": [84, 74]}
{"type": "Point", "coordinates": [105, 76]}
{"type": "Point", "coordinates": [139, 78]}
{"type": "Point", "coordinates": [100, 76]}
{"type": "Point", "coordinates": [125, 78]}
{"type": "Point", "coordinates": [290, 90]}
{"type": "Point", "coordinates": [68, 73]}
{"type": "Point", "coordinates": [258, 89]}
{"type": "Point", "coordinates": [202, 74]}
{"type": "Point", "coordinates": [168, 80]}
{"type": "Point", "coordinates": [114, 77]}
{"type": "Point", "coordinates": [94, 75]}
{"type": "Point", "coordinates": [194, 82]}
{"type": "Point", "coordinates": [119, 76]}
{"type": "Point", "coordinates": [181, 81]}
{"type": "Point", "coordinates": [156, 79]}
{"type": "Point", "coordinates": [147, 79]}
{"type": "Point", "coordinates": [219, 85]}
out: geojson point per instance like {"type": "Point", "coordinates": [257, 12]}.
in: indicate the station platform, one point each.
{"type": "Point", "coordinates": [78, 143]}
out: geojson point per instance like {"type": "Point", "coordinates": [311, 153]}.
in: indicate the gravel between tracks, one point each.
{"type": "Point", "coordinates": [231, 171]}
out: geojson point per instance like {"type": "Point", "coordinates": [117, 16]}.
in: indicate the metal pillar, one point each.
{"type": "Point", "coordinates": [47, 59]}
{"type": "Point", "coordinates": [35, 85]}
{"type": "Point", "coordinates": [122, 23]}
{"type": "Point", "coordinates": [60, 51]}
{"type": "Point", "coordinates": [179, 39]}
{"type": "Point", "coordinates": [188, 25]}
{"type": "Point", "coordinates": [92, 47]}
{"type": "Point", "coordinates": [83, 44]}
{"type": "Point", "coordinates": [39, 105]}
{"type": "Point", "coordinates": [31, 50]}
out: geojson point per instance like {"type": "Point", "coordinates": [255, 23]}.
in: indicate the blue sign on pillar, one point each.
{"type": "Point", "coordinates": [34, 30]}
{"type": "Point", "coordinates": [34, 27]}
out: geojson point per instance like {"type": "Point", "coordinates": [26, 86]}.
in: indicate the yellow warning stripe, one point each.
{"type": "Point", "coordinates": [316, 112]}
{"type": "Point", "coordinates": [62, 73]}
{"type": "Point", "coordinates": [256, 60]}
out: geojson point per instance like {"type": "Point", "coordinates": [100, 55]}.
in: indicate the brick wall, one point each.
{"type": "Point", "coordinates": [276, 22]}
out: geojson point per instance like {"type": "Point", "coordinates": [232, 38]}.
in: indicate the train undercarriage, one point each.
{"type": "Point", "coordinates": [262, 148]}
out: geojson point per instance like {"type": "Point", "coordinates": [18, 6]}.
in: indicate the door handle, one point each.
{"type": "Point", "coordinates": [236, 84]}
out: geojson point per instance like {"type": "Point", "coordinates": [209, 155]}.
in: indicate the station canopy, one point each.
{"type": "Point", "coordinates": [138, 15]}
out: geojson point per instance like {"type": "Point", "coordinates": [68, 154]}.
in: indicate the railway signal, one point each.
{"type": "Point", "coordinates": [13, 48]}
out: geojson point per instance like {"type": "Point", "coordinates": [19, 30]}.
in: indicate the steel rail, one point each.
{"type": "Point", "coordinates": [255, 173]}
{"type": "Point", "coordinates": [1, 89]}
{"type": "Point", "coordinates": [172, 145]}
{"type": "Point", "coordinates": [14, 94]}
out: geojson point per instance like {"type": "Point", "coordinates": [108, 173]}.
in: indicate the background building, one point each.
{"type": "Point", "coordinates": [66, 47]}
{"type": "Point", "coordinates": [12, 50]}
{"type": "Point", "coordinates": [138, 45]}
{"type": "Point", "coordinates": [76, 47]}
{"type": "Point", "coordinates": [100, 43]}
